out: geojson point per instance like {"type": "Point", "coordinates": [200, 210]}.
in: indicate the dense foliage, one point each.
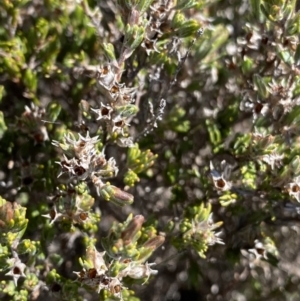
{"type": "Point", "coordinates": [149, 150]}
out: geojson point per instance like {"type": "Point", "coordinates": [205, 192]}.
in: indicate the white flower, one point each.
{"type": "Point", "coordinates": [259, 250]}
{"type": "Point", "coordinates": [272, 159]}
{"type": "Point", "coordinates": [219, 180]}
{"type": "Point", "coordinates": [294, 188]}
{"type": "Point", "coordinates": [104, 112]}
{"type": "Point", "coordinates": [118, 125]}
{"type": "Point", "coordinates": [54, 215]}
{"type": "Point", "coordinates": [16, 270]}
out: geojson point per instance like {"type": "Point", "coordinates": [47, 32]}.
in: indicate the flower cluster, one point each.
{"type": "Point", "coordinates": [115, 106]}
{"type": "Point", "coordinates": [101, 273]}
{"type": "Point", "coordinates": [86, 161]}
{"type": "Point", "coordinates": [157, 25]}
{"type": "Point", "coordinates": [31, 122]}
{"type": "Point", "coordinates": [98, 275]}
{"type": "Point", "coordinates": [71, 205]}
{"type": "Point", "coordinates": [206, 229]}
{"type": "Point", "coordinates": [198, 232]}
{"type": "Point", "coordinates": [270, 97]}
{"type": "Point", "coordinates": [82, 161]}
{"type": "Point", "coordinates": [12, 228]}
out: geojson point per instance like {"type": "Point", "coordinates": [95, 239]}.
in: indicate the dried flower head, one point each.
{"type": "Point", "coordinates": [31, 122]}
{"type": "Point", "coordinates": [273, 159]}
{"type": "Point", "coordinates": [138, 271]}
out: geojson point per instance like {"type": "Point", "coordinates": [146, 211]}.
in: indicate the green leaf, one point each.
{"type": "Point", "coordinates": [127, 111]}
{"type": "Point", "coordinates": [3, 127]}
{"type": "Point", "coordinates": [134, 36]}
{"type": "Point", "coordinates": [297, 55]}
{"type": "Point", "coordinates": [261, 86]}
{"type": "Point", "coordinates": [109, 51]}
{"type": "Point", "coordinates": [178, 20]}
{"type": "Point", "coordinates": [53, 110]}
{"type": "Point", "coordinates": [187, 4]}
{"type": "Point", "coordinates": [189, 28]}
{"type": "Point", "coordinates": [247, 65]}
{"type": "Point", "coordinates": [255, 5]}
{"type": "Point", "coordinates": [143, 5]}
{"type": "Point", "coordinates": [293, 25]}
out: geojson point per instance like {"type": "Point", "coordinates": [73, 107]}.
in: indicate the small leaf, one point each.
{"type": "Point", "coordinates": [261, 86]}
{"type": "Point", "coordinates": [3, 126]}
{"type": "Point", "coordinates": [189, 28]}
{"type": "Point", "coordinates": [297, 55]}
{"type": "Point", "coordinates": [143, 5]}
{"type": "Point", "coordinates": [53, 111]}
{"type": "Point", "coordinates": [109, 51]}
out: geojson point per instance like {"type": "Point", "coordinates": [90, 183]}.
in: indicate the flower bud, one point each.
{"type": "Point", "coordinates": [116, 195]}
{"type": "Point", "coordinates": [84, 106]}
{"type": "Point", "coordinates": [6, 213]}
{"type": "Point", "coordinates": [178, 20]}
{"type": "Point", "coordinates": [149, 247]}
{"type": "Point", "coordinates": [130, 178]}
{"type": "Point", "coordinates": [12, 222]}
{"type": "Point", "coordinates": [154, 242]}
{"type": "Point", "coordinates": [27, 246]}
{"type": "Point", "coordinates": [109, 170]}
{"type": "Point", "coordinates": [130, 234]}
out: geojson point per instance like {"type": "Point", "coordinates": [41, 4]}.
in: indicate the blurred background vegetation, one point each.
{"type": "Point", "coordinates": [215, 144]}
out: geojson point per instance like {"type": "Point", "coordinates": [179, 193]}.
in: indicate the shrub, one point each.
{"type": "Point", "coordinates": [149, 150]}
